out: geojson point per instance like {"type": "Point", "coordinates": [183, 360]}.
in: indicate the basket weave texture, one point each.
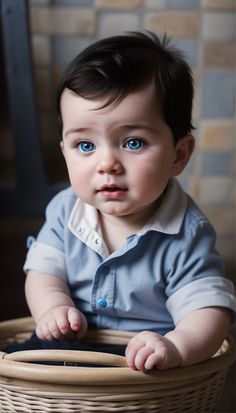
{"type": "Point", "coordinates": [29, 387]}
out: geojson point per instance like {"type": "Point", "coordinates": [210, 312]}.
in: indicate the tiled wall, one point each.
{"type": "Point", "coordinates": [205, 31]}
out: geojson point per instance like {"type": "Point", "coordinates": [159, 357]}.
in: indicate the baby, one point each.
{"type": "Point", "coordinates": [124, 247]}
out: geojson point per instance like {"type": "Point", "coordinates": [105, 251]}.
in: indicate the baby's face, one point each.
{"type": "Point", "coordinates": [121, 157]}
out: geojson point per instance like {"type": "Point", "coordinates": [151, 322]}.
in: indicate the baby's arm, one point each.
{"type": "Point", "coordinates": [52, 308]}
{"type": "Point", "coordinates": [196, 338]}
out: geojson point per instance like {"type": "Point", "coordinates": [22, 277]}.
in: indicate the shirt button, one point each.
{"type": "Point", "coordinates": [102, 302]}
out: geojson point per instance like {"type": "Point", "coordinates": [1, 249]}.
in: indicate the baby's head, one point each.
{"type": "Point", "coordinates": [124, 109]}
{"type": "Point", "coordinates": [111, 68]}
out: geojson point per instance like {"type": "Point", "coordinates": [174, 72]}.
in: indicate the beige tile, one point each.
{"type": "Point", "coordinates": [112, 23]}
{"type": "Point", "coordinates": [196, 112]}
{"type": "Point", "coordinates": [155, 4]}
{"type": "Point", "coordinates": [218, 26]}
{"type": "Point", "coordinates": [119, 4]}
{"type": "Point", "coordinates": [219, 54]}
{"type": "Point", "coordinates": [179, 23]}
{"type": "Point", "coordinates": [194, 188]}
{"type": "Point", "coordinates": [63, 21]}
{"type": "Point", "coordinates": [219, 4]}
{"type": "Point", "coordinates": [223, 219]}
{"type": "Point", "coordinates": [217, 135]}
{"type": "Point", "coordinates": [216, 190]}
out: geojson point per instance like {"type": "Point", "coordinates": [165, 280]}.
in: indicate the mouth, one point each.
{"type": "Point", "coordinates": [111, 188]}
{"type": "Point", "coordinates": [112, 191]}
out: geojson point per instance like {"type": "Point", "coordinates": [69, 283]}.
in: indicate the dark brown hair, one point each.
{"type": "Point", "coordinates": [113, 67]}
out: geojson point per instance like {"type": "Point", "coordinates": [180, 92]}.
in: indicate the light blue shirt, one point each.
{"type": "Point", "coordinates": [161, 274]}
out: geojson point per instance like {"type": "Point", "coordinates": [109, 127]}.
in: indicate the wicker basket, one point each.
{"type": "Point", "coordinates": [29, 387]}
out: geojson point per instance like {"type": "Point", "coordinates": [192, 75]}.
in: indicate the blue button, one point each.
{"type": "Point", "coordinates": [102, 302]}
{"type": "Point", "coordinates": [105, 270]}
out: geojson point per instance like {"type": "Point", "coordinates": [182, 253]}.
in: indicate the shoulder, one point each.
{"type": "Point", "coordinates": [62, 203]}
{"type": "Point", "coordinates": [195, 219]}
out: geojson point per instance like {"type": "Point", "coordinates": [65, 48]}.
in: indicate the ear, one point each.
{"type": "Point", "coordinates": [62, 147]}
{"type": "Point", "coordinates": [183, 150]}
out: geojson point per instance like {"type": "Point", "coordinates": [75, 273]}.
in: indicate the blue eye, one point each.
{"type": "Point", "coordinates": [134, 144]}
{"type": "Point", "coordinates": [86, 146]}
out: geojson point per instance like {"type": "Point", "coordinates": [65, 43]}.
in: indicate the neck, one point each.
{"type": "Point", "coordinates": [116, 229]}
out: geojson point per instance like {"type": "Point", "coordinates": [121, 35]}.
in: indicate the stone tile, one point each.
{"type": "Point", "coordinates": [183, 4]}
{"type": "Point", "coordinates": [155, 4]}
{"type": "Point", "coordinates": [39, 2]}
{"type": "Point", "coordinates": [190, 49]}
{"type": "Point", "coordinates": [41, 50]}
{"type": "Point", "coordinates": [78, 3]}
{"type": "Point", "coordinates": [218, 26]}
{"type": "Point", "coordinates": [194, 188]}
{"type": "Point", "coordinates": [65, 48]}
{"type": "Point", "coordinates": [119, 4]}
{"type": "Point", "coordinates": [196, 112]}
{"type": "Point", "coordinates": [218, 135]}
{"type": "Point", "coordinates": [110, 24]}
{"type": "Point", "coordinates": [219, 54]}
{"type": "Point", "coordinates": [226, 247]}
{"type": "Point", "coordinates": [218, 4]}
{"type": "Point", "coordinates": [47, 20]}
{"type": "Point", "coordinates": [216, 191]}
{"type": "Point", "coordinates": [176, 24]}
{"type": "Point", "coordinates": [217, 163]}
{"type": "Point", "coordinates": [222, 218]}
{"type": "Point", "coordinates": [218, 94]}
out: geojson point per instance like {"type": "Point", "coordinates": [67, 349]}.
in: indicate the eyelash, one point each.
{"type": "Point", "coordinates": [129, 140]}
{"type": "Point", "coordinates": [79, 146]}
{"type": "Point", "coordinates": [91, 147]}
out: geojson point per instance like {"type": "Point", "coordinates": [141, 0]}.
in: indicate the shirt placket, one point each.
{"type": "Point", "coordinates": [102, 298]}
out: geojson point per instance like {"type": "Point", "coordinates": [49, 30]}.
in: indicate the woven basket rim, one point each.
{"type": "Point", "coordinates": [109, 376]}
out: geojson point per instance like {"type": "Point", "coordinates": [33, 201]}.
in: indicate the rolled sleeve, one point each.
{"type": "Point", "coordinates": [43, 257]}
{"type": "Point", "coordinates": [202, 293]}
{"type": "Point", "coordinates": [47, 252]}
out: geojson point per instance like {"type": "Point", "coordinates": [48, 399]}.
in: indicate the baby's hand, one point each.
{"type": "Point", "coordinates": [147, 350]}
{"type": "Point", "coordinates": [62, 323]}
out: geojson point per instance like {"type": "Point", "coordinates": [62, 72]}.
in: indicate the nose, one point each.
{"type": "Point", "coordinates": [109, 163]}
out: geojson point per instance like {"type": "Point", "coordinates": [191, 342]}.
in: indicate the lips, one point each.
{"type": "Point", "coordinates": [111, 188]}
{"type": "Point", "coordinates": [112, 191]}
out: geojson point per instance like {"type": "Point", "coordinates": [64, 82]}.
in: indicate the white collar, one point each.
{"type": "Point", "coordinates": [170, 214]}
{"type": "Point", "coordinates": [84, 224]}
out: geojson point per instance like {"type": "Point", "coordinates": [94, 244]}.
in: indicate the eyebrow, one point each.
{"type": "Point", "coordinates": [75, 130]}
{"type": "Point", "coordinates": [140, 126]}
{"type": "Point", "coordinates": [128, 126]}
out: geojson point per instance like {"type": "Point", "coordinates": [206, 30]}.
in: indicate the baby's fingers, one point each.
{"type": "Point", "coordinates": [154, 360]}
{"type": "Point", "coordinates": [62, 325]}
{"type": "Point", "coordinates": [142, 357]}
{"type": "Point", "coordinates": [132, 349]}
{"type": "Point", "coordinates": [78, 323]}
{"type": "Point", "coordinates": [74, 319]}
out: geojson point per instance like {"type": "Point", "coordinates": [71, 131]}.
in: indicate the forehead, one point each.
{"type": "Point", "coordinates": [142, 99]}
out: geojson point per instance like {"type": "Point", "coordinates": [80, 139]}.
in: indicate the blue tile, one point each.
{"type": "Point", "coordinates": [183, 4]}
{"type": "Point", "coordinates": [190, 48]}
{"type": "Point", "coordinates": [216, 163]}
{"type": "Point", "coordinates": [65, 48]}
{"type": "Point", "coordinates": [79, 3]}
{"type": "Point", "coordinates": [218, 94]}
